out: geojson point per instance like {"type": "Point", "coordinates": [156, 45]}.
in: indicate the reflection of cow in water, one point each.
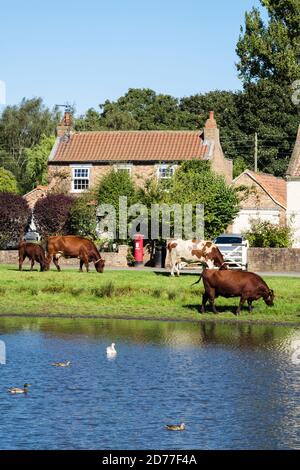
{"type": "Point", "coordinates": [34, 252]}
{"type": "Point", "coordinates": [194, 251]}
{"type": "Point", "coordinates": [71, 246]}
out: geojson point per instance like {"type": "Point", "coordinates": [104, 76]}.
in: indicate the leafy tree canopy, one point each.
{"type": "Point", "coordinates": [36, 166]}
{"type": "Point", "coordinates": [8, 182]}
{"type": "Point", "coordinates": [194, 183]}
{"type": "Point", "coordinates": [22, 127]}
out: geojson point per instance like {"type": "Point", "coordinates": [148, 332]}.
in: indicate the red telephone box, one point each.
{"type": "Point", "coordinates": [139, 249]}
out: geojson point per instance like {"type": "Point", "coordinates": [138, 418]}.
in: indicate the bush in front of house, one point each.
{"type": "Point", "coordinates": [52, 215]}
{"type": "Point", "coordinates": [195, 183]}
{"type": "Point", "coordinates": [8, 182]}
{"type": "Point", "coordinates": [108, 191]}
{"type": "Point", "coordinates": [264, 234]}
{"type": "Point", "coordinates": [83, 219]}
{"type": "Point", "coordinates": [15, 216]}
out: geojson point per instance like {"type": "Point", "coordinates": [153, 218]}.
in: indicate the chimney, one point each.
{"type": "Point", "coordinates": [211, 131]}
{"type": "Point", "coordinates": [65, 126]}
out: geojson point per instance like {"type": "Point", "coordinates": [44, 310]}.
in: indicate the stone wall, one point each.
{"type": "Point", "coordinates": [117, 260]}
{"type": "Point", "coordinates": [274, 259]}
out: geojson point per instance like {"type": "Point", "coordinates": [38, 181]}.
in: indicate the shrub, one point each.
{"type": "Point", "coordinates": [263, 234]}
{"type": "Point", "coordinates": [15, 217]}
{"type": "Point", "coordinates": [83, 216]}
{"type": "Point", "coordinates": [8, 182]}
{"type": "Point", "coordinates": [113, 185]}
{"type": "Point", "coordinates": [52, 215]}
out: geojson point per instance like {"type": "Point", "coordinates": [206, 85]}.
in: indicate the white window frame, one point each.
{"type": "Point", "coordinates": [164, 166]}
{"type": "Point", "coordinates": [80, 167]}
{"type": "Point", "coordinates": [123, 166]}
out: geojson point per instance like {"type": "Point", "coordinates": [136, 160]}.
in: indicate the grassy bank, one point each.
{"type": "Point", "coordinates": [131, 294]}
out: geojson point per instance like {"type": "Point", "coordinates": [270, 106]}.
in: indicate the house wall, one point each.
{"type": "Point", "coordinates": [258, 204]}
{"type": "Point", "coordinates": [243, 220]}
{"type": "Point", "coordinates": [293, 205]}
{"type": "Point", "coordinates": [140, 173]}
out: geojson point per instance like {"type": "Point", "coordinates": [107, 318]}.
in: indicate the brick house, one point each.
{"type": "Point", "coordinates": [264, 198]}
{"type": "Point", "coordinates": [82, 158]}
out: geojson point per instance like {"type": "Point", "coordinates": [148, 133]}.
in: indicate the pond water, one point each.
{"type": "Point", "coordinates": [234, 386]}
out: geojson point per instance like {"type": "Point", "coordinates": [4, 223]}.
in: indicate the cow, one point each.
{"type": "Point", "coordinates": [226, 283]}
{"type": "Point", "coordinates": [72, 246]}
{"type": "Point", "coordinates": [194, 251]}
{"type": "Point", "coordinates": [34, 252]}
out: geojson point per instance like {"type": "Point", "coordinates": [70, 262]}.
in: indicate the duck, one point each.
{"type": "Point", "coordinates": [61, 364]}
{"type": "Point", "coordinates": [15, 390]}
{"type": "Point", "coordinates": [175, 427]}
{"type": "Point", "coordinates": [111, 351]}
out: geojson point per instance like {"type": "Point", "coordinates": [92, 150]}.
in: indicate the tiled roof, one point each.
{"type": "Point", "coordinates": [275, 187]}
{"type": "Point", "coordinates": [114, 146]}
{"type": "Point", "coordinates": [294, 166]}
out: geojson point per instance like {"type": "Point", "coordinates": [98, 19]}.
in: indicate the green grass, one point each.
{"type": "Point", "coordinates": [132, 294]}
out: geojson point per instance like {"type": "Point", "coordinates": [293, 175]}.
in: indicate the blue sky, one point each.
{"type": "Point", "coordinates": [84, 52]}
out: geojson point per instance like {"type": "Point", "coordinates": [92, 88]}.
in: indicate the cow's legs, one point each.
{"type": "Point", "coordinates": [55, 261]}
{"type": "Point", "coordinates": [32, 264]}
{"type": "Point", "coordinates": [242, 301]}
{"type": "Point", "coordinates": [250, 306]}
{"type": "Point", "coordinates": [80, 265]}
{"type": "Point", "coordinates": [204, 301]}
{"type": "Point", "coordinates": [21, 261]}
{"type": "Point", "coordinates": [48, 261]}
{"type": "Point", "coordinates": [211, 296]}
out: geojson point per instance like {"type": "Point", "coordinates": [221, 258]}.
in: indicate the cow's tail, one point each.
{"type": "Point", "coordinates": [197, 282]}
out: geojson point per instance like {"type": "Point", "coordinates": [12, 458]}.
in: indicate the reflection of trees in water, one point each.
{"type": "Point", "coordinates": [157, 332]}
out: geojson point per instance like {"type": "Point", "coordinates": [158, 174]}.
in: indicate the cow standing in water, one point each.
{"type": "Point", "coordinates": [71, 246]}
{"type": "Point", "coordinates": [34, 252]}
{"type": "Point", "coordinates": [194, 251]}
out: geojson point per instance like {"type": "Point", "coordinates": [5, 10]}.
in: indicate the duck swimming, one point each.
{"type": "Point", "coordinates": [61, 364]}
{"type": "Point", "coordinates": [15, 390]}
{"type": "Point", "coordinates": [111, 351]}
{"type": "Point", "coordinates": [175, 427]}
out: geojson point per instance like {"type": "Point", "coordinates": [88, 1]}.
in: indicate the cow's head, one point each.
{"type": "Point", "coordinates": [269, 298]}
{"type": "Point", "coordinates": [216, 257]}
{"type": "Point", "coordinates": [99, 265]}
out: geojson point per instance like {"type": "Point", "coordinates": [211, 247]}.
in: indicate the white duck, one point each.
{"type": "Point", "coordinates": [111, 351]}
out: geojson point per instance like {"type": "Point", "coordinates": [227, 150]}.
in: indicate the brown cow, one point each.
{"type": "Point", "coordinates": [72, 246]}
{"type": "Point", "coordinates": [34, 252]}
{"type": "Point", "coordinates": [226, 283]}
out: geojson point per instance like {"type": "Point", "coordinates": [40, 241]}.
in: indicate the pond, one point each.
{"type": "Point", "coordinates": [234, 386]}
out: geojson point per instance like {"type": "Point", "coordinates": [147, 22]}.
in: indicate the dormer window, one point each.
{"type": "Point", "coordinates": [80, 178]}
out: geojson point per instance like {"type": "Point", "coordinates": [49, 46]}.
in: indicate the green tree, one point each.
{"type": "Point", "coordinates": [114, 185]}
{"type": "Point", "coordinates": [194, 183]}
{"type": "Point", "coordinates": [36, 165]}
{"type": "Point", "coordinates": [83, 219]}
{"type": "Point", "coordinates": [271, 50]}
{"type": "Point", "coordinates": [8, 182]}
{"type": "Point", "coordinates": [22, 127]}
{"type": "Point", "coordinates": [268, 64]}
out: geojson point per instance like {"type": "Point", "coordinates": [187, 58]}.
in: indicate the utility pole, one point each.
{"type": "Point", "coordinates": [255, 151]}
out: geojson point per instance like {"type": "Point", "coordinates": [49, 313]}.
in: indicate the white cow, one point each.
{"type": "Point", "coordinates": [192, 251]}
